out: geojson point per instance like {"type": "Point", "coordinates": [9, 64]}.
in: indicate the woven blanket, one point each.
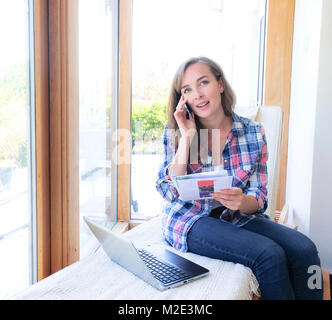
{"type": "Point", "coordinates": [97, 277]}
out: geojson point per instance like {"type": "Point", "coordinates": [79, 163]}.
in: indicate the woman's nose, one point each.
{"type": "Point", "coordinates": [197, 94]}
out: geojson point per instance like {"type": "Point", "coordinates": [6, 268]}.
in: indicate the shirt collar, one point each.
{"type": "Point", "coordinates": [238, 127]}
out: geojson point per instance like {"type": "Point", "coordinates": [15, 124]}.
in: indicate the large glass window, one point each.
{"type": "Point", "coordinates": [97, 115]}
{"type": "Point", "coordinates": [165, 33]}
{"type": "Point", "coordinates": [17, 147]}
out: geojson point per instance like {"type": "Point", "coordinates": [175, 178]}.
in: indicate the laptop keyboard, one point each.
{"type": "Point", "coordinates": [162, 271]}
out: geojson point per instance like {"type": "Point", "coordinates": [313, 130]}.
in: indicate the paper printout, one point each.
{"type": "Point", "coordinates": [199, 186]}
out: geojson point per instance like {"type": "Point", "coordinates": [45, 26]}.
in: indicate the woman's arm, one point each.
{"type": "Point", "coordinates": [254, 196]}
{"type": "Point", "coordinates": [235, 199]}
{"type": "Point", "coordinates": [163, 184]}
{"type": "Point", "coordinates": [179, 164]}
{"type": "Point", "coordinates": [188, 130]}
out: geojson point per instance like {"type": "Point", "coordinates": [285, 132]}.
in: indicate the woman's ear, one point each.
{"type": "Point", "coordinates": [221, 86]}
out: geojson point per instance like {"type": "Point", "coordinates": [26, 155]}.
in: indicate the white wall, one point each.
{"type": "Point", "coordinates": [321, 206]}
{"type": "Point", "coordinates": [309, 174]}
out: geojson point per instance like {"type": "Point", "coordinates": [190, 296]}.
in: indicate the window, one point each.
{"type": "Point", "coordinates": [230, 32]}
{"type": "Point", "coordinates": [97, 115]}
{"type": "Point", "coordinates": [17, 149]}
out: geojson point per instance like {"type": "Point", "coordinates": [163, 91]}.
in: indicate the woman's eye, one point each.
{"type": "Point", "coordinates": [187, 90]}
{"type": "Point", "coordinates": [204, 82]}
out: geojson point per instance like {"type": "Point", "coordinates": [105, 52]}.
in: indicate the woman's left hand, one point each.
{"type": "Point", "coordinates": [231, 198]}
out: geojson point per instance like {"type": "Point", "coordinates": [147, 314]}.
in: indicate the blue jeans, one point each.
{"type": "Point", "coordinates": [278, 256]}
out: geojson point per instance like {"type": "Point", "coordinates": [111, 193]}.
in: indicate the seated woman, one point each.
{"type": "Point", "coordinates": [231, 226]}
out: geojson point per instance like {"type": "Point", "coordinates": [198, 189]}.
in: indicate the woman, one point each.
{"type": "Point", "coordinates": [232, 226]}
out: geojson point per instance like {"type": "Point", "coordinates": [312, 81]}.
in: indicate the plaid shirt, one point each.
{"type": "Point", "coordinates": [244, 157]}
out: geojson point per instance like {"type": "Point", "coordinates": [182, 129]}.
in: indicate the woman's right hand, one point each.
{"type": "Point", "coordinates": [187, 126]}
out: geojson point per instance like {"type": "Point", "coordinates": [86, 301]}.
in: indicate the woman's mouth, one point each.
{"type": "Point", "coordinates": [203, 105]}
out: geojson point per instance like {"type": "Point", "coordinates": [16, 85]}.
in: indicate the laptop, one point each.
{"type": "Point", "coordinates": [162, 270]}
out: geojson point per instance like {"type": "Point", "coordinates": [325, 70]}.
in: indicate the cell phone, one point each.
{"type": "Point", "coordinates": [188, 111]}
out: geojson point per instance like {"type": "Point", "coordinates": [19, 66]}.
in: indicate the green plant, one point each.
{"type": "Point", "coordinates": [148, 120]}
{"type": "Point", "coordinates": [13, 115]}
{"type": "Point", "coordinates": [13, 85]}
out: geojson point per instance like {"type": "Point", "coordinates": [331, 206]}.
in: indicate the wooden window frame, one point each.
{"type": "Point", "coordinates": [56, 83]}
{"type": "Point", "coordinates": [278, 68]}
{"type": "Point", "coordinates": [56, 74]}
{"type": "Point", "coordinates": [64, 141]}
{"type": "Point", "coordinates": [124, 111]}
{"type": "Point", "coordinates": [42, 138]}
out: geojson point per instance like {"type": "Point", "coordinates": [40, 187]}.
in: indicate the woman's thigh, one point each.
{"type": "Point", "coordinates": [222, 240]}
{"type": "Point", "coordinates": [300, 251]}
{"type": "Point", "coordinates": [218, 239]}
{"type": "Point", "coordinates": [296, 245]}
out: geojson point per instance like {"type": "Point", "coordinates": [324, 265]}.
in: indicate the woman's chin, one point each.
{"type": "Point", "coordinates": [204, 114]}
{"type": "Point", "coordinates": [209, 114]}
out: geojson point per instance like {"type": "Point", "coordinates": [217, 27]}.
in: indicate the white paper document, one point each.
{"type": "Point", "coordinates": [199, 186]}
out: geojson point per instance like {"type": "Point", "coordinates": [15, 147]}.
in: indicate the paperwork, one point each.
{"type": "Point", "coordinates": [199, 186]}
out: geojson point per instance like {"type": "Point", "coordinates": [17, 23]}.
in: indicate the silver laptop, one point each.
{"type": "Point", "coordinates": [163, 270]}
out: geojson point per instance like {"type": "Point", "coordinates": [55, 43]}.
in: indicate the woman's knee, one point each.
{"type": "Point", "coordinates": [272, 258]}
{"type": "Point", "coordinates": [271, 271]}
{"type": "Point", "coordinates": [305, 251]}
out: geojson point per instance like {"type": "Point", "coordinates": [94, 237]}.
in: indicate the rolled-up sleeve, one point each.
{"type": "Point", "coordinates": [257, 185]}
{"type": "Point", "coordinates": [164, 185]}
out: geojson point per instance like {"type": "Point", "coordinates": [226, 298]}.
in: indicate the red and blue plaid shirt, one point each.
{"type": "Point", "coordinates": [244, 157]}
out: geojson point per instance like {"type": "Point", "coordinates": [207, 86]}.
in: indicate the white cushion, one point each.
{"type": "Point", "coordinates": [271, 119]}
{"type": "Point", "coordinates": [247, 112]}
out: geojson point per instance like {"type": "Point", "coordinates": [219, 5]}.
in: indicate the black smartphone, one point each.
{"type": "Point", "coordinates": [188, 111]}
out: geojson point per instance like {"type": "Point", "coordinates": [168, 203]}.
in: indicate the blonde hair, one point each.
{"type": "Point", "coordinates": [227, 96]}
